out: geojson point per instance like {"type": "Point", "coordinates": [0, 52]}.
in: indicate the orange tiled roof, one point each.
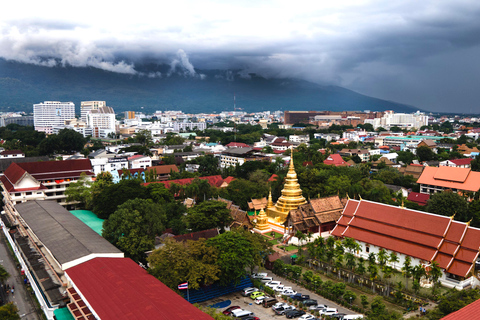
{"type": "Point", "coordinates": [451, 177]}
{"type": "Point", "coordinates": [454, 245]}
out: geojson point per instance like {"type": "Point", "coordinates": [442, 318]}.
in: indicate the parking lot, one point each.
{"type": "Point", "coordinates": [267, 313]}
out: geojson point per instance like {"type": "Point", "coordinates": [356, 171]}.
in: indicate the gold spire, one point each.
{"type": "Point", "coordinates": [360, 197]}
{"type": "Point", "coordinates": [468, 223]}
{"type": "Point", "coordinates": [270, 201]}
{"type": "Point", "coordinates": [403, 205]}
{"type": "Point", "coordinates": [262, 221]}
{"type": "Point", "coordinates": [348, 197]}
{"type": "Point", "coordinates": [291, 196]}
{"type": "Point", "coordinates": [453, 216]}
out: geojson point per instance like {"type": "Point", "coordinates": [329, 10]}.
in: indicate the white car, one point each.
{"type": "Point", "coordinates": [279, 304]}
{"type": "Point", "coordinates": [328, 311]}
{"type": "Point", "coordinates": [281, 288]}
{"type": "Point", "coordinates": [289, 292]}
{"type": "Point", "coordinates": [266, 279]}
{"type": "Point", "coordinates": [306, 317]}
{"type": "Point", "coordinates": [248, 291]}
{"type": "Point", "coordinates": [318, 307]}
{"type": "Point", "coordinates": [259, 275]}
{"type": "Point", "coordinates": [273, 284]}
{"type": "Point", "coordinates": [259, 300]}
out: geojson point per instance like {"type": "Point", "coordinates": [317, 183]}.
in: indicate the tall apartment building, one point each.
{"type": "Point", "coordinates": [86, 106]}
{"type": "Point", "coordinates": [51, 114]}
{"type": "Point", "coordinates": [102, 121]}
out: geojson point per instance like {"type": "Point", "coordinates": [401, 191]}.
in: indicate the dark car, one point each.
{"type": "Point", "coordinates": [251, 318]}
{"type": "Point", "coordinates": [229, 310]}
{"type": "Point", "coordinates": [300, 296]}
{"type": "Point", "coordinates": [309, 302]}
{"type": "Point", "coordinates": [294, 314]}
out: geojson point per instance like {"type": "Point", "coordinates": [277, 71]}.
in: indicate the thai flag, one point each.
{"type": "Point", "coordinates": [183, 286]}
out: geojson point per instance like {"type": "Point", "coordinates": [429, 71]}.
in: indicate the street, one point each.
{"type": "Point", "coordinates": [20, 297]}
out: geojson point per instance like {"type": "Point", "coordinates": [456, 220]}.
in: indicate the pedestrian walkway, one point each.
{"type": "Point", "coordinates": [20, 296]}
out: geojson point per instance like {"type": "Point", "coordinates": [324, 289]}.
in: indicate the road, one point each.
{"type": "Point", "coordinates": [20, 297]}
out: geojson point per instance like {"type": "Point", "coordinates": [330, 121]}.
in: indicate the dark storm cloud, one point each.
{"type": "Point", "coordinates": [422, 53]}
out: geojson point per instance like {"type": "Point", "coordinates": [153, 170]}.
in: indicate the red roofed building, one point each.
{"type": "Point", "coordinates": [12, 154]}
{"type": "Point", "coordinates": [215, 181]}
{"type": "Point", "coordinates": [237, 145]}
{"type": "Point", "coordinates": [425, 237]}
{"type": "Point", "coordinates": [117, 289]}
{"type": "Point", "coordinates": [335, 160]}
{"type": "Point", "coordinates": [44, 180]}
{"type": "Point", "coordinates": [457, 163]}
{"type": "Point", "coordinates": [437, 179]}
{"type": "Point", "coordinates": [420, 198]}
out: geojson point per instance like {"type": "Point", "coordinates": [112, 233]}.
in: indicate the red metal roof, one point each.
{"type": "Point", "coordinates": [454, 245]}
{"type": "Point", "coordinates": [237, 145]}
{"type": "Point", "coordinates": [451, 177]}
{"type": "Point", "coordinates": [117, 289]}
{"type": "Point", "coordinates": [215, 181]}
{"type": "Point", "coordinates": [420, 198]}
{"type": "Point", "coordinates": [336, 160]}
{"type": "Point", "coordinates": [462, 162]}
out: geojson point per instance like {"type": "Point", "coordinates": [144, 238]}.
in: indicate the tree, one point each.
{"type": "Point", "coordinates": [4, 275]}
{"type": "Point", "coordinates": [424, 153]}
{"type": "Point", "coordinates": [208, 165]}
{"type": "Point", "coordinates": [80, 191]}
{"type": "Point", "coordinates": [407, 269]}
{"type": "Point", "coordinates": [475, 164]}
{"type": "Point", "coordinates": [382, 257]}
{"type": "Point", "coordinates": [241, 191]}
{"type": "Point", "coordinates": [393, 258]}
{"type": "Point", "coordinates": [434, 273]}
{"type": "Point", "coordinates": [159, 193]}
{"type": "Point", "coordinates": [106, 202]}
{"type": "Point", "coordinates": [349, 296]}
{"type": "Point", "coordinates": [364, 301]}
{"type": "Point", "coordinates": [207, 215]}
{"type": "Point", "coordinates": [239, 249]}
{"type": "Point", "coordinates": [133, 226]}
{"type": "Point", "coordinates": [448, 203]}
{"type": "Point", "coordinates": [452, 301]}
{"type": "Point", "coordinates": [191, 261]}
{"type": "Point", "coordinates": [9, 311]}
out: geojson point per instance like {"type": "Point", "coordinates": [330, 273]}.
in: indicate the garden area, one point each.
{"type": "Point", "coordinates": [329, 268]}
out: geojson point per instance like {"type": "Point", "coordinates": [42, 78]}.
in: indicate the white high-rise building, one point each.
{"type": "Point", "coordinates": [51, 114]}
{"type": "Point", "coordinates": [86, 106]}
{"type": "Point", "coordinates": [401, 120]}
{"type": "Point", "coordinates": [102, 121]}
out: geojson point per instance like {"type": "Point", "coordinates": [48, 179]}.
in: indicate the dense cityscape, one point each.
{"type": "Point", "coordinates": [354, 214]}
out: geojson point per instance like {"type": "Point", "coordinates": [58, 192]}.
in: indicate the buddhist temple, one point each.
{"type": "Point", "coordinates": [290, 199]}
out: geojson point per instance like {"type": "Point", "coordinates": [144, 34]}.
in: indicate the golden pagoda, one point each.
{"type": "Point", "coordinates": [262, 222]}
{"type": "Point", "coordinates": [290, 199]}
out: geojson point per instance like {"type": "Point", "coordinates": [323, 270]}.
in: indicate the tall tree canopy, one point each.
{"type": "Point", "coordinates": [237, 250]}
{"type": "Point", "coordinates": [178, 262]}
{"type": "Point", "coordinates": [448, 203]}
{"type": "Point", "coordinates": [207, 215]}
{"type": "Point", "coordinates": [133, 226]}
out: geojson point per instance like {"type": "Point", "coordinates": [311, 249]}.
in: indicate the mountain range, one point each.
{"type": "Point", "coordinates": [158, 87]}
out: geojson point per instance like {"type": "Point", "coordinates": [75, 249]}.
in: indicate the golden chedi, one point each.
{"type": "Point", "coordinates": [290, 199]}
{"type": "Point", "coordinates": [262, 221]}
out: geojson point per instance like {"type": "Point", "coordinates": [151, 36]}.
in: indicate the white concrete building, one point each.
{"type": "Point", "coordinates": [51, 114]}
{"type": "Point", "coordinates": [401, 120]}
{"type": "Point", "coordinates": [102, 121]}
{"type": "Point", "coordinates": [86, 106]}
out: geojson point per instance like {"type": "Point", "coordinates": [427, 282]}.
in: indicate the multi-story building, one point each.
{"type": "Point", "coordinates": [401, 120]}
{"type": "Point", "coordinates": [438, 179]}
{"type": "Point", "coordinates": [297, 139]}
{"type": "Point", "coordinates": [102, 121]}
{"type": "Point", "coordinates": [45, 180]}
{"type": "Point", "coordinates": [51, 114]}
{"type": "Point", "coordinates": [233, 156]}
{"type": "Point", "coordinates": [86, 106]}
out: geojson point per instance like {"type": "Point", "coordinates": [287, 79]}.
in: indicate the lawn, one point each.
{"type": "Point", "coordinates": [289, 248]}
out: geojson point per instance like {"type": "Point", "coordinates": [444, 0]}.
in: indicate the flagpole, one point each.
{"type": "Point", "coordinates": [188, 294]}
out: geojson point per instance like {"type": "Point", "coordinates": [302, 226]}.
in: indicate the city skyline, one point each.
{"type": "Point", "coordinates": [422, 54]}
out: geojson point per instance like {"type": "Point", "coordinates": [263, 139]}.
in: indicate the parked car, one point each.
{"type": "Point", "coordinates": [248, 291]}
{"type": "Point", "coordinates": [318, 307]}
{"type": "Point", "coordinates": [289, 292]}
{"type": "Point", "coordinates": [229, 310]}
{"type": "Point", "coordinates": [338, 316]}
{"type": "Point", "coordinates": [260, 275]}
{"type": "Point", "coordinates": [352, 317]}
{"type": "Point", "coordinates": [282, 287]}
{"type": "Point", "coordinates": [294, 314]}
{"type": "Point", "coordinates": [269, 302]}
{"type": "Point", "coordinates": [272, 284]}
{"type": "Point", "coordinates": [251, 318]}
{"type": "Point", "coordinates": [284, 309]}
{"type": "Point", "coordinates": [242, 313]}
{"type": "Point", "coordinates": [307, 317]}
{"type": "Point", "coordinates": [309, 302]}
{"type": "Point", "coordinates": [278, 305]}
{"type": "Point", "coordinates": [266, 279]}
{"type": "Point", "coordinates": [328, 311]}
{"type": "Point", "coordinates": [259, 300]}
{"type": "Point", "coordinates": [256, 294]}
{"type": "Point", "coordinates": [299, 296]}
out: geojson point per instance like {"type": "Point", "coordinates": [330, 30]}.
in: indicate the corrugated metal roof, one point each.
{"type": "Point", "coordinates": [65, 236]}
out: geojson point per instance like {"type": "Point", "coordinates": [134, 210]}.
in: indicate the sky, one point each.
{"type": "Point", "coordinates": [423, 53]}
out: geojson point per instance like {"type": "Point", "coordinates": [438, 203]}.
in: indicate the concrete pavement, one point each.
{"type": "Point", "coordinates": [21, 298]}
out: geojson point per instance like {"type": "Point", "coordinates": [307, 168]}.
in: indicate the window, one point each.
{"type": "Point", "coordinates": [367, 248]}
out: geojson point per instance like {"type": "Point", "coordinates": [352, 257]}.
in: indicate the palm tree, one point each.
{"type": "Point", "coordinates": [393, 258]}
{"type": "Point", "coordinates": [434, 274]}
{"type": "Point", "coordinates": [382, 257]}
{"type": "Point", "coordinates": [372, 258]}
{"type": "Point", "coordinates": [373, 270]}
{"type": "Point", "coordinates": [407, 270]}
